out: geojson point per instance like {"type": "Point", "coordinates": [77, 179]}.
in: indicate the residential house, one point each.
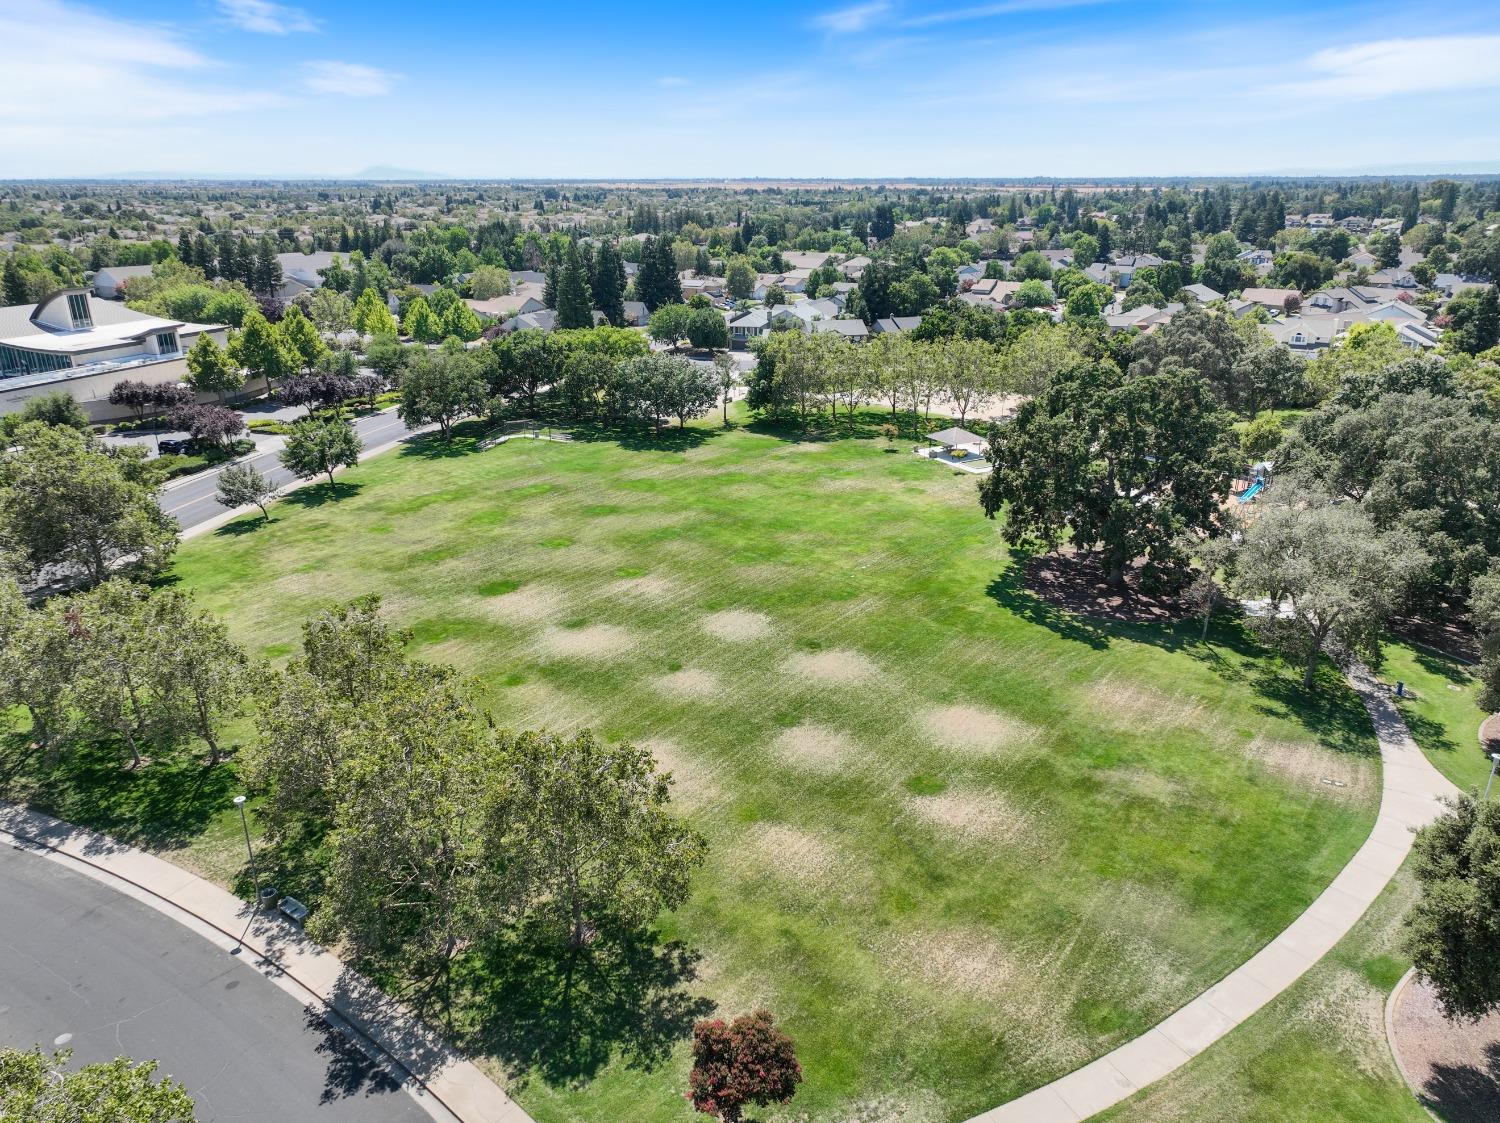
{"type": "Point", "coordinates": [1355, 224]}
{"type": "Point", "coordinates": [1105, 274]}
{"type": "Point", "coordinates": [527, 277]}
{"type": "Point", "coordinates": [1202, 293]}
{"type": "Point", "coordinates": [896, 324]}
{"type": "Point", "coordinates": [109, 282]}
{"type": "Point", "coordinates": [854, 267]}
{"type": "Point", "coordinates": [1319, 221]}
{"type": "Point", "coordinates": [1274, 299]}
{"type": "Point", "coordinates": [1143, 317]}
{"type": "Point", "coordinates": [1338, 300]}
{"type": "Point", "coordinates": [521, 299]}
{"type": "Point", "coordinates": [76, 342]}
{"type": "Point", "coordinates": [1397, 278]}
{"type": "Point", "coordinates": [300, 272]}
{"type": "Point", "coordinates": [854, 330]}
{"type": "Point", "coordinates": [636, 315]}
{"type": "Point", "coordinates": [807, 260]}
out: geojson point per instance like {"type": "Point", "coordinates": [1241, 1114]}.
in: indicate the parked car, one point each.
{"type": "Point", "coordinates": [175, 447]}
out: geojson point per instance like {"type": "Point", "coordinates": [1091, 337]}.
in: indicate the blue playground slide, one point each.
{"type": "Point", "coordinates": [1252, 491]}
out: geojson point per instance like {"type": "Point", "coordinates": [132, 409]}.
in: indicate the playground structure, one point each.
{"type": "Point", "coordinates": [1259, 477]}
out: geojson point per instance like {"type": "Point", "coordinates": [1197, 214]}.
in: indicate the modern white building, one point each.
{"type": "Point", "coordinates": [76, 342]}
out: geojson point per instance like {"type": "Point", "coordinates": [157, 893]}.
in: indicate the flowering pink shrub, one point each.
{"type": "Point", "coordinates": [748, 1061]}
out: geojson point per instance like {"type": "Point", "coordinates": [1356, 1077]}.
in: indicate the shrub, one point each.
{"type": "Point", "coordinates": [748, 1061]}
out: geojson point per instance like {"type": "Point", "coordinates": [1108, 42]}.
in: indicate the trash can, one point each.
{"type": "Point", "coordinates": [267, 899]}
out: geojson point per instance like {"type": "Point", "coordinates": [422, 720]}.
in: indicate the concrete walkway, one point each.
{"type": "Point", "coordinates": [281, 952]}
{"type": "Point", "coordinates": [1410, 791]}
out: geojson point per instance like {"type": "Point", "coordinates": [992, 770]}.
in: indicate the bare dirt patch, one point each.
{"type": "Point", "coordinates": [972, 814]}
{"type": "Point", "coordinates": [526, 605]}
{"type": "Point", "coordinates": [815, 746]}
{"type": "Point", "coordinates": [737, 625]}
{"type": "Point", "coordinates": [969, 727]}
{"type": "Point", "coordinates": [831, 666]}
{"type": "Point", "coordinates": [1454, 1066]}
{"type": "Point", "coordinates": [597, 641]}
{"type": "Point", "coordinates": [690, 681]}
{"type": "Point", "coordinates": [910, 1107]}
{"type": "Point", "coordinates": [1139, 781]}
{"type": "Point", "coordinates": [1308, 764]}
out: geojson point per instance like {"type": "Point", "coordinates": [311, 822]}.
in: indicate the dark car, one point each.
{"type": "Point", "coordinates": [175, 447]}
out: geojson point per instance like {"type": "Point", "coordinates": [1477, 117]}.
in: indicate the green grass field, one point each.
{"type": "Point", "coordinates": [961, 842]}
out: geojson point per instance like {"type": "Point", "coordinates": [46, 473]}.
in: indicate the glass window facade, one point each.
{"type": "Point", "coordinates": [166, 343]}
{"type": "Point", "coordinates": [78, 309]}
{"type": "Point", "coordinates": [14, 361]}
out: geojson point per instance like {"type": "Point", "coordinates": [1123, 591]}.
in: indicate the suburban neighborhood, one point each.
{"type": "Point", "coordinates": [931, 564]}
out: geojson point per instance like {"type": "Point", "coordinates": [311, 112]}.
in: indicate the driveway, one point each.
{"type": "Point", "coordinates": [86, 967]}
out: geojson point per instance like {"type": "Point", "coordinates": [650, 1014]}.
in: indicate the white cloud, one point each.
{"type": "Point", "coordinates": [351, 79]}
{"type": "Point", "coordinates": [673, 80]}
{"type": "Point", "coordinates": [120, 74]}
{"type": "Point", "coordinates": [266, 18]}
{"type": "Point", "coordinates": [856, 17]}
{"type": "Point", "coordinates": [1399, 66]}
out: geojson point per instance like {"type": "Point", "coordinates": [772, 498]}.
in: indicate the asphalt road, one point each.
{"type": "Point", "coordinates": [192, 501]}
{"type": "Point", "coordinates": [84, 966]}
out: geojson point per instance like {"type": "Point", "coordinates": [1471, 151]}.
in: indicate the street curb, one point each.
{"type": "Point", "coordinates": [442, 1073]}
{"type": "Point", "coordinates": [1391, 1002]}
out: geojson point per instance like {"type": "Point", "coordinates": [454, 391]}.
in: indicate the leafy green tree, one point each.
{"type": "Point", "coordinates": [302, 335]}
{"type": "Point", "coordinates": [261, 349]}
{"type": "Point", "coordinates": [203, 676]}
{"type": "Point", "coordinates": [421, 323]}
{"type": "Point", "coordinates": [1329, 576]}
{"type": "Point", "coordinates": [1031, 266]}
{"type": "Point", "coordinates": [1122, 464]}
{"type": "Point", "coordinates": [1299, 270]}
{"type": "Point", "coordinates": [460, 322]}
{"type": "Point", "coordinates": [441, 387]}
{"type": "Point", "coordinates": [387, 355]}
{"type": "Point", "coordinates": [1484, 614]}
{"type": "Point", "coordinates": [1474, 316]}
{"type": "Point", "coordinates": [35, 1088]}
{"type": "Point", "coordinates": [523, 362]}
{"type": "Point", "coordinates": [707, 329]}
{"type": "Point", "coordinates": [586, 834]}
{"type": "Point", "coordinates": [488, 282]}
{"type": "Point", "coordinates": [210, 369]}
{"type": "Point", "coordinates": [68, 502]}
{"type": "Point", "coordinates": [727, 373]}
{"type": "Point", "coordinates": [330, 311]}
{"type": "Point", "coordinates": [316, 446]}
{"type": "Point", "coordinates": [37, 662]}
{"type": "Point", "coordinates": [1033, 294]}
{"type": "Point", "coordinates": [243, 484]}
{"type": "Point", "coordinates": [372, 317]}
{"type": "Point", "coordinates": [669, 323]}
{"type": "Point", "coordinates": [1452, 933]}
{"type": "Point", "coordinates": [739, 279]}
{"type": "Point", "coordinates": [58, 408]}
{"type": "Point", "coordinates": [117, 687]}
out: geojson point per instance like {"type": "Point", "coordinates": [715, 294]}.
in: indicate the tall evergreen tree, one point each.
{"type": "Point", "coordinates": [15, 283]}
{"type": "Point", "coordinates": [609, 284]}
{"type": "Point", "coordinates": [184, 246]}
{"type": "Point", "coordinates": [575, 305]}
{"type": "Point", "coordinates": [266, 272]}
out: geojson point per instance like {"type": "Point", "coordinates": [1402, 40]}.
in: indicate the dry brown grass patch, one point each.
{"type": "Point", "coordinates": [831, 666]}
{"type": "Point", "coordinates": [526, 605]}
{"type": "Point", "coordinates": [796, 855]}
{"type": "Point", "coordinates": [974, 814]}
{"type": "Point", "coordinates": [965, 961]}
{"type": "Point", "coordinates": [737, 625]}
{"type": "Point", "coordinates": [690, 681]}
{"type": "Point", "coordinates": [597, 641]}
{"type": "Point", "coordinates": [815, 746]}
{"type": "Point", "coordinates": [969, 727]}
{"type": "Point", "coordinates": [692, 781]}
{"type": "Point", "coordinates": [1125, 705]}
{"type": "Point", "coordinates": [1308, 764]}
{"type": "Point", "coordinates": [650, 587]}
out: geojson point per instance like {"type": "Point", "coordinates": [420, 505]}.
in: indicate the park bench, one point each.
{"type": "Point", "coordinates": [294, 909]}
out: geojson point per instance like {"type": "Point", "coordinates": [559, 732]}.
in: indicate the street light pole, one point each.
{"type": "Point", "coordinates": [239, 801]}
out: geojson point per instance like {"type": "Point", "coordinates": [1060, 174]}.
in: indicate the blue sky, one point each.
{"type": "Point", "coordinates": [872, 88]}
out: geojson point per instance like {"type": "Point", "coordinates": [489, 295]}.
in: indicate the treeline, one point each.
{"type": "Point", "coordinates": [435, 831]}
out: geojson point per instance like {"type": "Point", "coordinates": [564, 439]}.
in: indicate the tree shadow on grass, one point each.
{"type": "Point", "coordinates": [645, 438]}
{"type": "Point", "coordinates": [1331, 710]}
{"type": "Point", "coordinates": [244, 525]}
{"type": "Point", "coordinates": [315, 495]}
{"type": "Point", "coordinates": [166, 804]}
{"type": "Point", "coordinates": [464, 440]}
{"type": "Point", "coordinates": [562, 1014]}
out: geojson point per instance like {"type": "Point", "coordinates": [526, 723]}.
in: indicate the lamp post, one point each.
{"type": "Point", "coordinates": [239, 801]}
{"type": "Point", "coordinates": [1494, 763]}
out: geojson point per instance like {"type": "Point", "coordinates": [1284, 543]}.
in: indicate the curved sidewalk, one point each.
{"type": "Point", "coordinates": [1410, 790]}
{"type": "Point", "coordinates": [282, 951]}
